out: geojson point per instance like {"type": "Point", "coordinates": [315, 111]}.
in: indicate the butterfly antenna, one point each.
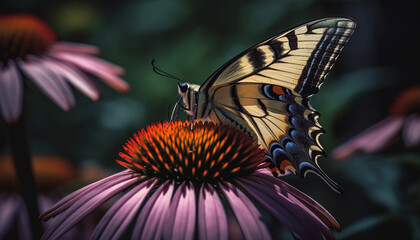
{"type": "Point", "coordinates": [163, 73]}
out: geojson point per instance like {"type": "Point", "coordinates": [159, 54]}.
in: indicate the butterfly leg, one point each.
{"type": "Point", "coordinates": [175, 112]}
{"type": "Point", "coordinates": [183, 107]}
{"type": "Point", "coordinates": [194, 115]}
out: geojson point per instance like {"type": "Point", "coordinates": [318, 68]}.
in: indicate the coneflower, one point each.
{"type": "Point", "coordinates": [30, 53]}
{"type": "Point", "coordinates": [51, 172]}
{"type": "Point", "coordinates": [29, 50]}
{"type": "Point", "coordinates": [403, 120]}
{"type": "Point", "coordinates": [181, 184]}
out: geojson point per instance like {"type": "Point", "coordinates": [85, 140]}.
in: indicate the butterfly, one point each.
{"type": "Point", "coordinates": [264, 91]}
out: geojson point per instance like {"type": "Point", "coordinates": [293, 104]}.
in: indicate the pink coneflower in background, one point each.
{"type": "Point", "coordinates": [182, 184]}
{"type": "Point", "coordinates": [29, 50]}
{"type": "Point", "coordinates": [51, 172]}
{"type": "Point", "coordinates": [403, 120]}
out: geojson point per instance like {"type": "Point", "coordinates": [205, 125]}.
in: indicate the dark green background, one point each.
{"type": "Point", "coordinates": [191, 39]}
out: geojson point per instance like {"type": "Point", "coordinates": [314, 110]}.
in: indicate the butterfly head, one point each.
{"type": "Point", "coordinates": [188, 94]}
{"type": "Point", "coordinates": [183, 88]}
{"type": "Point", "coordinates": [184, 91]}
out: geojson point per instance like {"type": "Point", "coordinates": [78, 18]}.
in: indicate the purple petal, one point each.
{"type": "Point", "coordinates": [212, 222]}
{"type": "Point", "coordinates": [78, 79]}
{"type": "Point", "coordinates": [247, 215]}
{"type": "Point", "coordinates": [83, 206]}
{"type": "Point", "coordinates": [266, 172]}
{"type": "Point", "coordinates": [97, 67]}
{"type": "Point", "coordinates": [67, 201]}
{"type": "Point", "coordinates": [54, 86]}
{"type": "Point", "coordinates": [307, 201]}
{"type": "Point", "coordinates": [152, 218]}
{"type": "Point", "coordinates": [372, 139]}
{"type": "Point", "coordinates": [11, 92]}
{"type": "Point", "coordinates": [181, 218]}
{"type": "Point", "coordinates": [74, 47]}
{"type": "Point", "coordinates": [119, 217]}
{"type": "Point", "coordinates": [9, 206]}
{"type": "Point", "coordinates": [411, 131]}
{"type": "Point", "coordinates": [281, 201]}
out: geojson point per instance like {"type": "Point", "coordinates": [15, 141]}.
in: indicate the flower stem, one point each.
{"type": "Point", "coordinates": [23, 165]}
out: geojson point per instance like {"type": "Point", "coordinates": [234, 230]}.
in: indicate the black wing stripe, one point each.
{"type": "Point", "coordinates": [257, 58]}
{"type": "Point", "coordinates": [293, 41]}
{"type": "Point", "coordinates": [322, 58]}
{"type": "Point", "coordinates": [234, 95]}
{"type": "Point", "coordinates": [277, 47]}
{"type": "Point", "coordinates": [262, 106]}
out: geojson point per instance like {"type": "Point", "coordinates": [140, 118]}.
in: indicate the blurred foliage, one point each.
{"type": "Point", "coordinates": [191, 39]}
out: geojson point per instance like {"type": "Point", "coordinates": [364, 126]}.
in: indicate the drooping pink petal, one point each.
{"type": "Point", "coordinates": [247, 215]}
{"type": "Point", "coordinates": [212, 221]}
{"type": "Point", "coordinates": [9, 207]}
{"type": "Point", "coordinates": [307, 201]}
{"type": "Point", "coordinates": [264, 171]}
{"type": "Point", "coordinates": [97, 186]}
{"type": "Point", "coordinates": [411, 130]}
{"type": "Point", "coordinates": [54, 86]}
{"type": "Point", "coordinates": [181, 218]}
{"type": "Point", "coordinates": [372, 139]}
{"type": "Point", "coordinates": [95, 66]}
{"type": "Point", "coordinates": [287, 209]}
{"type": "Point", "coordinates": [78, 79]}
{"type": "Point", "coordinates": [121, 214]}
{"type": "Point", "coordinates": [83, 206]}
{"type": "Point", "coordinates": [74, 47]}
{"type": "Point", "coordinates": [90, 62]}
{"type": "Point", "coordinates": [47, 201]}
{"type": "Point", "coordinates": [152, 218]}
{"type": "Point", "coordinates": [11, 92]}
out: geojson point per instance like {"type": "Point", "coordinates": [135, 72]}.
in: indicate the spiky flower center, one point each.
{"type": "Point", "coordinates": [208, 153]}
{"type": "Point", "coordinates": [21, 35]}
{"type": "Point", "coordinates": [407, 102]}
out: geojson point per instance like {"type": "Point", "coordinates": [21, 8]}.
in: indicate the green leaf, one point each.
{"type": "Point", "coordinates": [362, 225]}
{"type": "Point", "coordinates": [378, 176]}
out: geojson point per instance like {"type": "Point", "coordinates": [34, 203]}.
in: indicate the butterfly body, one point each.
{"type": "Point", "coordinates": [264, 91]}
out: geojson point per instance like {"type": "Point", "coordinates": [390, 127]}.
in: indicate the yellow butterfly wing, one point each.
{"type": "Point", "coordinates": [298, 59]}
{"type": "Point", "coordinates": [264, 91]}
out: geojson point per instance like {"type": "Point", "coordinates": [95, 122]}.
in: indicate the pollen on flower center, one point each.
{"type": "Point", "coordinates": [21, 35]}
{"type": "Point", "coordinates": [208, 153]}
